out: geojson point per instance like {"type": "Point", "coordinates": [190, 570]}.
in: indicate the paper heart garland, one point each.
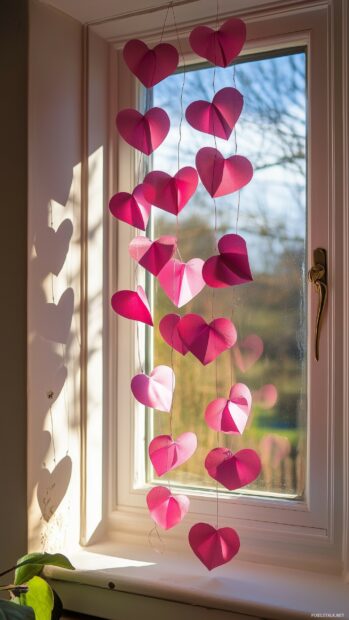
{"type": "Point", "coordinates": [168, 328]}
{"type": "Point", "coordinates": [248, 352]}
{"type": "Point", "coordinates": [167, 510]}
{"type": "Point", "coordinates": [133, 208]}
{"type": "Point", "coordinates": [222, 46]}
{"type": "Point", "coordinates": [143, 132]}
{"type": "Point", "coordinates": [233, 470]}
{"type": "Point", "coordinates": [222, 176]}
{"type": "Point", "coordinates": [155, 390]}
{"type": "Point", "coordinates": [231, 267]}
{"type": "Point", "coordinates": [206, 340]}
{"type": "Point", "coordinates": [230, 416]}
{"type": "Point", "coordinates": [152, 255]}
{"type": "Point", "coordinates": [166, 453]}
{"type": "Point", "coordinates": [219, 117]}
{"type": "Point", "coordinates": [182, 281]}
{"type": "Point", "coordinates": [151, 66]}
{"type": "Point", "coordinates": [213, 546]}
{"type": "Point", "coordinates": [132, 305]}
{"type": "Point", "coordinates": [170, 193]}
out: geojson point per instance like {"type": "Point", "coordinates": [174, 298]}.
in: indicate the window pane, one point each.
{"type": "Point", "coordinates": [270, 312]}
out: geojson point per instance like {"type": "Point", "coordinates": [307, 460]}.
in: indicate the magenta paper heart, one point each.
{"type": "Point", "coordinates": [133, 208]}
{"type": "Point", "coordinates": [231, 267]}
{"type": "Point", "coordinates": [155, 390]}
{"type": "Point", "coordinates": [167, 510]}
{"type": "Point", "coordinates": [168, 327]}
{"type": "Point", "coordinates": [213, 546]}
{"type": "Point", "coordinates": [170, 193]}
{"type": "Point", "coordinates": [206, 340]}
{"type": "Point", "coordinates": [150, 65]}
{"type": "Point", "coordinates": [132, 305]}
{"type": "Point", "coordinates": [230, 416]}
{"type": "Point", "coordinates": [222, 176]}
{"type": "Point", "coordinates": [182, 281]}
{"type": "Point", "coordinates": [248, 352]}
{"type": "Point", "coordinates": [233, 470]}
{"type": "Point", "coordinates": [152, 255]}
{"type": "Point", "coordinates": [219, 117]}
{"type": "Point", "coordinates": [143, 132]}
{"type": "Point", "coordinates": [166, 453]}
{"type": "Point", "coordinates": [266, 397]}
{"type": "Point", "coordinates": [222, 46]}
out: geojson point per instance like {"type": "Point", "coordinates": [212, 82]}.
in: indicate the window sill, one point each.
{"type": "Point", "coordinates": [101, 580]}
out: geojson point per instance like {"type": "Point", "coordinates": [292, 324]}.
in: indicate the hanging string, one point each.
{"type": "Point", "coordinates": [159, 544]}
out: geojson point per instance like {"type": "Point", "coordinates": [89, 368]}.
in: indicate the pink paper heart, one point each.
{"type": "Point", "coordinates": [222, 176]}
{"type": "Point", "coordinates": [133, 208]}
{"type": "Point", "coordinates": [152, 255]}
{"type": "Point", "coordinates": [233, 470]}
{"type": "Point", "coordinates": [166, 453]}
{"type": "Point", "coordinates": [182, 281]}
{"type": "Point", "coordinates": [230, 416]}
{"type": "Point", "coordinates": [170, 193]}
{"type": "Point", "coordinates": [231, 267]}
{"type": "Point", "coordinates": [248, 352]}
{"type": "Point", "coordinates": [206, 340]}
{"type": "Point", "coordinates": [167, 510]}
{"type": "Point", "coordinates": [266, 397]}
{"type": "Point", "coordinates": [222, 46]}
{"type": "Point", "coordinates": [168, 327]}
{"type": "Point", "coordinates": [213, 546]}
{"type": "Point", "coordinates": [155, 390]}
{"type": "Point", "coordinates": [219, 117]}
{"type": "Point", "coordinates": [132, 305]}
{"type": "Point", "coordinates": [143, 132]}
{"type": "Point", "coordinates": [151, 66]}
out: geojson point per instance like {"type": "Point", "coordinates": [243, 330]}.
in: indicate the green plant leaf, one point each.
{"type": "Point", "coordinates": [39, 597]}
{"type": "Point", "coordinates": [11, 611]}
{"type": "Point", "coordinates": [32, 564]}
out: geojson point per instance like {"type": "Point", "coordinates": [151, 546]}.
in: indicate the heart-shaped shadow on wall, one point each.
{"type": "Point", "coordinates": [56, 318]}
{"type": "Point", "coordinates": [52, 246]}
{"type": "Point", "coordinates": [52, 487]}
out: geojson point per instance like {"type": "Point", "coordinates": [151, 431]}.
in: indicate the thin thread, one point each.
{"type": "Point", "coordinates": [236, 150]}
{"type": "Point", "coordinates": [182, 88]}
{"type": "Point", "coordinates": [154, 530]}
{"type": "Point", "coordinates": [66, 399]}
{"type": "Point", "coordinates": [52, 436]}
{"type": "Point", "coordinates": [165, 20]}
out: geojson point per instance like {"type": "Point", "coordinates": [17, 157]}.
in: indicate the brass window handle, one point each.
{"type": "Point", "coordinates": [318, 276]}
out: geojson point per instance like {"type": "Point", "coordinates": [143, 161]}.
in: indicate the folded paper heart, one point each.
{"type": "Point", "coordinates": [233, 470]}
{"type": "Point", "coordinates": [166, 453]}
{"type": "Point", "coordinates": [231, 267]}
{"type": "Point", "coordinates": [155, 390]}
{"type": "Point", "coordinates": [222, 176]}
{"type": "Point", "coordinates": [182, 281]}
{"type": "Point", "coordinates": [151, 66]}
{"type": "Point", "coordinates": [213, 546]}
{"type": "Point", "coordinates": [152, 255]}
{"type": "Point", "coordinates": [170, 193]}
{"type": "Point", "coordinates": [168, 327]}
{"type": "Point", "coordinates": [132, 305]}
{"type": "Point", "coordinates": [133, 208]}
{"type": "Point", "coordinates": [143, 132]}
{"type": "Point", "coordinates": [206, 340]}
{"type": "Point", "coordinates": [230, 416]}
{"type": "Point", "coordinates": [248, 352]}
{"type": "Point", "coordinates": [167, 510]}
{"type": "Point", "coordinates": [222, 46]}
{"type": "Point", "coordinates": [266, 397]}
{"type": "Point", "coordinates": [219, 117]}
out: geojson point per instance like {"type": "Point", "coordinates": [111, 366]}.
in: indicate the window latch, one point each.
{"type": "Point", "coordinates": [318, 276]}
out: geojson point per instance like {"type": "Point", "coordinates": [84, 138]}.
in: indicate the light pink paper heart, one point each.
{"type": "Point", "coordinates": [132, 305]}
{"type": "Point", "coordinates": [222, 176]}
{"type": "Point", "coordinates": [248, 351]}
{"type": "Point", "coordinates": [222, 46]}
{"type": "Point", "coordinates": [182, 281]}
{"type": "Point", "coordinates": [167, 510]}
{"type": "Point", "coordinates": [213, 546]}
{"type": "Point", "coordinates": [166, 453]}
{"type": "Point", "coordinates": [151, 66]}
{"type": "Point", "coordinates": [155, 390]}
{"type": "Point", "coordinates": [233, 470]}
{"type": "Point", "coordinates": [168, 327]}
{"type": "Point", "coordinates": [133, 208]}
{"type": "Point", "coordinates": [230, 416]}
{"type": "Point", "coordinates": [206, 340]}
{"type": "Point", "coordinates": [170, 193]}
{"type": "Point", "coordinates": [231, 266]}
{"type": "Point", "coordinates": [143, 132]}
{"type": "Point", "coordinates": [266, 397]}
{"type": "Point", "coordinates": [152, 255]}
{"type": "Point", "coordinates": [219, 117]}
